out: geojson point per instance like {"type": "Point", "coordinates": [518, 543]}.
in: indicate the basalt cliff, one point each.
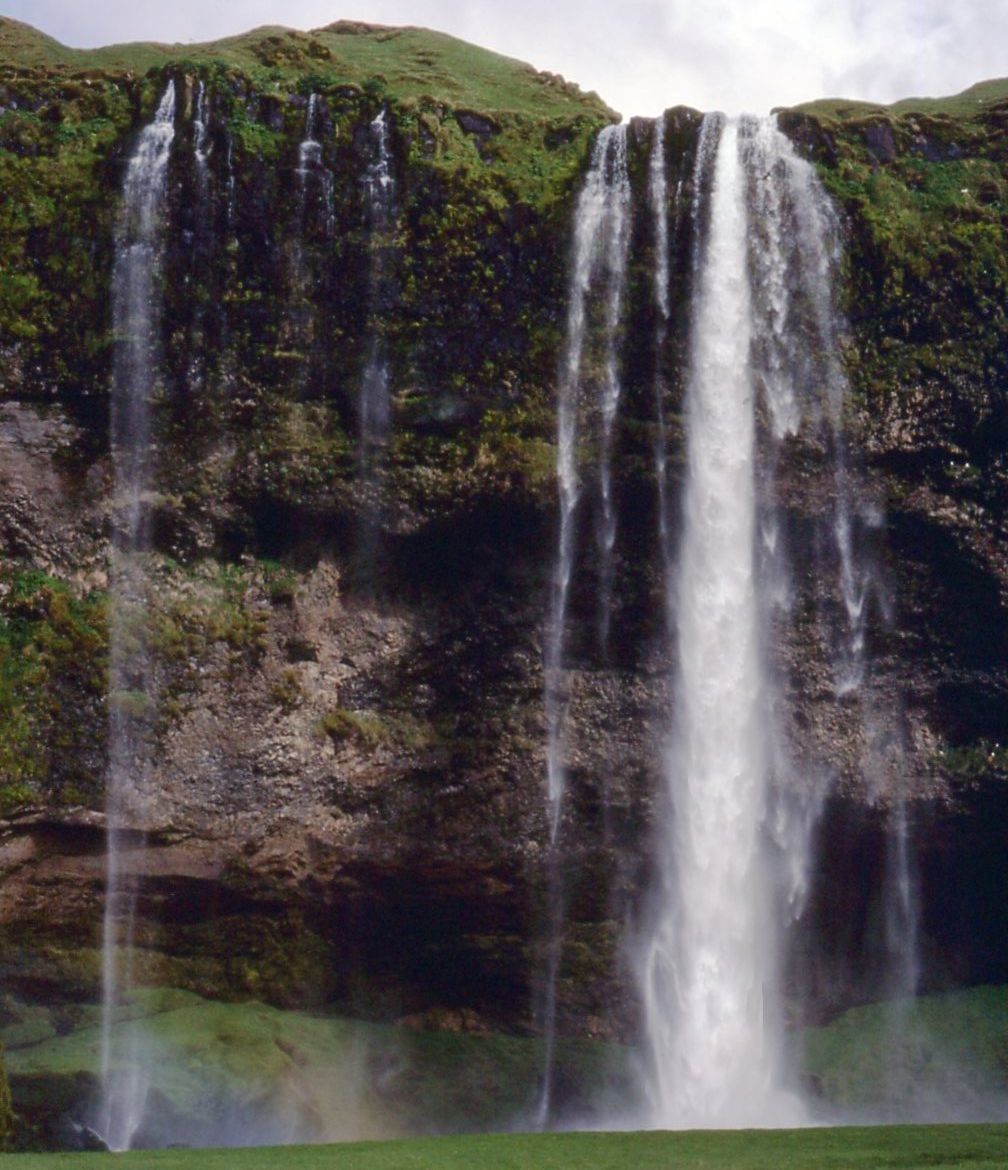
{"type": "Point", "coordinates": [346, 716]}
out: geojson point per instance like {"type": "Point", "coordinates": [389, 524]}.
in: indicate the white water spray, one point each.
{"type": "Point", "coordinates": [136, 310]}
{"type": "Point", "coordinates": [710, 964]}
{"type": "Point", "coordinates": [734, 854]}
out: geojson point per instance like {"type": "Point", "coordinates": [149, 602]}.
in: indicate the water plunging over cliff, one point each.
{"type": "Point", "coordinates": [599, 258]}
{"type": "Point", "coordinates": [310, 163]}
{"type": "Point", "coordinates": [132, 699]}
{"type": "Point", "coordinates": [601, 236]}
{"type": "Point", "coordinates": [374, 407]}
{"type": "Point", "coordinates": [379, 187]}
{"type": "Point", "coordinates": [764, 360]}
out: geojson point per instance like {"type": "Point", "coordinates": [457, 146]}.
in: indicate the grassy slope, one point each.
{"type": "Point", "coordinates": [407, 62]}
{"type": "Point", "coordinates": [936, 1147]}
{"type": "Point", "coordinates": [961, 105]}
{"type": "Point", "coordinates": [938, 1055]}
{"type": "Point", "coordinates": [332, 1078]}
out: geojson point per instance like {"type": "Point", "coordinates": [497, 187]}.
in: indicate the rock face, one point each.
{"type": "Point", "coordinates": [349, 736]}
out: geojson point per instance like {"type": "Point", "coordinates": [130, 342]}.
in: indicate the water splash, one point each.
{"type": "Point", "coordinates": [136, 315]}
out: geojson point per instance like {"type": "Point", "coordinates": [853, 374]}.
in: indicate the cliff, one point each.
{"type": "Point", "coordinates": [349, 731]}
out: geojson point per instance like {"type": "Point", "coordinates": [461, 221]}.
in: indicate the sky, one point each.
{"type": "Point", "coordinates": [641, 56]}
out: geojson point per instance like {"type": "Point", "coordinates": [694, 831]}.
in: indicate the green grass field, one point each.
{"type": "Point", "coordinates": [981, 1147]}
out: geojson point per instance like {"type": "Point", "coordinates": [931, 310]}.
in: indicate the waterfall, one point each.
{"type": "Point", "coordinates": [710, 965]}
{"type": "Point", "coordinates": [764, 361]}
{"type": "Point", "coordinates": [374, 408]}
{"type": "Point", "coordinates": [599, 257]}
{"type": "Point", "coordinates": [601, 236]}
{"type": "Point", "coordinates": [658, 201]}
{"type": "Point", "coordinates": [616, 245]}
{"type": "Point", "coordinates": [379, 187]}
{"type": "Point", "coordinates": [200, 139]}
{"type": "Point", "coordinates": [310, 164]}
{"type": "Point", "coordinates": [136, 314]}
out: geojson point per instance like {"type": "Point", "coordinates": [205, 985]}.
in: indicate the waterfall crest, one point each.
{"type": "Point", "coordinates": [136, 314]}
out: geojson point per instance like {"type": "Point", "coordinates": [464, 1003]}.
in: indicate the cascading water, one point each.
{"type": "Point", "coordinates": [616, 246]}
{"type": "Point", "coordinates": [601, 235]}
{"type": "Point", "coordinates": [601, 238]}
{"type": "Point", "coordinates": [314, 181]}
{"type": "Point", "coordinates": [379, 186]}
{"type": "Point", "coordinates": [310, 164]}
{"type": "Point", "coordinates": [710, 963]}
{"type": "Point", "coordinates": [799, 351]}
{"type": "Point", "coordinates": [374, 411]}
{"type": "Point", "coordinates": [200, 140]}
{"type": "Point", "coordinates": [136, 310]}
{"type": "Point", "coordinates": [733, 854]}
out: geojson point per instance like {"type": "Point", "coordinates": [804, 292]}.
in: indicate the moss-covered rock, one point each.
{"type": "Point", "coordinates": [346, 800]}
{"type": "Point", "coordinates": [6, 1109]}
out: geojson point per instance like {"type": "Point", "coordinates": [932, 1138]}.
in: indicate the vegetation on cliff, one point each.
{"type": "Point", "coordinates": [52, 690]}
{"type": "Point", "coordinates": [6, 1109]}
{"type": "Point", "coordinates": [357, 749]}
{"type": "Point", "coordinates": [924, 185]}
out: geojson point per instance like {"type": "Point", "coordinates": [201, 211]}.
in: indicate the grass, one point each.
{"type": "Point", "coordinates": [306, 1075]}
{"type": "Point", "coordinates": [889, 1148]}
{"type": "Point", "coordinates": [402, 62]}
{"type": "Point", "coordinates": [939, 1055]}
{"type": "Point", "coordinates": [961, 105]}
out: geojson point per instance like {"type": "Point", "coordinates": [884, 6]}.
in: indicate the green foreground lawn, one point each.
{"type": "Point", "coordinates": [941, 1147]}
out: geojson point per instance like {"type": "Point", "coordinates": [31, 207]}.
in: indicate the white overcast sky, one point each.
{"type": "Point", "coordinates": [640, 55]}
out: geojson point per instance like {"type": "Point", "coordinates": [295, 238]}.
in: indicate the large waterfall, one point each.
{"type": "Point", "coordinates": [763, 362]}
{"type": "Point", "coordinates": [136, 309]}
{"type": "Point", "coordinates": [711, 965]}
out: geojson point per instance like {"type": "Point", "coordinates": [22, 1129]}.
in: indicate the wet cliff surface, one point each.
{"type": "Point", "coordinates": [349, 738]}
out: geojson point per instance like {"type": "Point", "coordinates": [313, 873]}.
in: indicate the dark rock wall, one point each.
{"type": "Point", "coordinates": [350, 758]}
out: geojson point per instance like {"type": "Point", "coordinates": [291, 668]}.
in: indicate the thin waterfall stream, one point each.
{"type": "Point", "coordinates": [599, 259]}
{"type": "Point", "coordinates": [374, 404]}
{"type": "Point", "coordinates": [132, 698]}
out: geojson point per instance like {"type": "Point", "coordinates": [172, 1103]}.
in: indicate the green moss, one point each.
{"type": "Point", "coordinates": [53, 648]}
{"type": "Point", "coordinates": [6, 1109]}
{"type": "Point", "coordinates": [215, 1056]}
{"type": "Point", "coordinates": [340, 724]}
{"type": "Point", "coordinates": [286, 691]}
{"type": "Point", "coordinates": [951, 1047]}
{"type": "Point", "coordinates": [974, 760]}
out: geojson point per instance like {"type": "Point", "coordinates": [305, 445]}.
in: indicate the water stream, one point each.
{"type": "Point", "coordinates": [132, 698]}
{"type": "Point", "coordinates": [598, 265]}
{"type": "Point", "coordinates": [374, 405]}
{"type": "Point", "coordinates": [733, 849]}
